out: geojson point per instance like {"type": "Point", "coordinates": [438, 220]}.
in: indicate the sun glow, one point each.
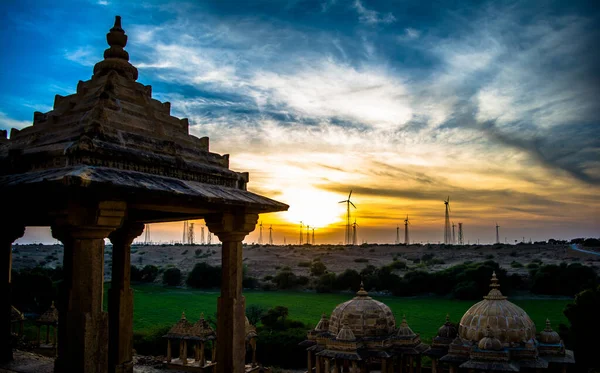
{"type": "Point", "coordinates": [313, 207]}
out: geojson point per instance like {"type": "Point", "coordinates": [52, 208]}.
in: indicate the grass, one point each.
{"type": "Point", "coordinates": [156, 306]}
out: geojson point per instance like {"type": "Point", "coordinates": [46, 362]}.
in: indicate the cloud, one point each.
{"type": "Point", "coordinates": [86, 56]}
{"type": "Point", "coordinates": [7, 123]}
{"type": "Point", "coordinates": [372, 17]}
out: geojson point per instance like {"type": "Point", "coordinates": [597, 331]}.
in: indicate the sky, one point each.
{"type": "Point", "coordinates": [492, 103]}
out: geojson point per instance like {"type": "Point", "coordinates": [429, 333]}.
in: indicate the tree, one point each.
{"type": "Point", "coordinates": [172, 277]}
{"type": "Point", "coordinates": [254, 312]}
{"type": "Point", "coordinates": [203, 275]}
{"type": "Point", "coordinates": [275, 316]}
{"type": "Point", "coordinates": [584, 331]}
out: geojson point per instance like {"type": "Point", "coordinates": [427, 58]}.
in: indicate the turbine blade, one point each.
{"type": "Point", "coordinates": [342, 201]}
{"type": "Point", "coordinates": [350, 194]}
{"type": "Point", "coordinates": [352, 204]}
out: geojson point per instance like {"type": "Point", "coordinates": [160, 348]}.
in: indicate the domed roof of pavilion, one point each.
{"type": "Point", "coordinates": [181, 329]}
{"type": "Point", "coordinates": [549, 336]}
{"type": "Point", "coordinates": [323, 324]}
{"type": "Point", "coordinates": [508, 322]}
{"type": "Point", "coordinates": [201, 330]}
{"type": "Point", "coordinates": [50, 316]}
{"type": "Point", "coordinates": [448, 330]}
{"type": "Point", "coordinates": [364, 316]}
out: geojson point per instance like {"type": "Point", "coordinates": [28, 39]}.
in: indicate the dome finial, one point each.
{"type": "Point", "coordinates": [115, 57]}
{"type": "Point", "coordinates": [447, 317]}
{"type": "Point", "coordinates": [183, 315]}
{"type": "Point", "coordinates": [548, 326]}
{"type": "Point", "coordinates": [494, 283]}
{"type": "Point", "coordinates": [362, 292]}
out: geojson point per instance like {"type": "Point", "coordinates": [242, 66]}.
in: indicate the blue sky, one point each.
{"type": "Point", "coordinates": [492, 102]}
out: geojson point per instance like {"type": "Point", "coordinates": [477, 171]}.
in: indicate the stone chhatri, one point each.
{"type": "Point", "coordinates": [104, 162]}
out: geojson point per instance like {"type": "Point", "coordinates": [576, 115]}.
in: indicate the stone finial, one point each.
{"type": "Point", "coordinates": [495, 293]}
{"type": "Point", "coordinates": [115, 57]}
{"type": "Point", "coordinates": [362, 292]}
{"type": "Point", "coordinates": [183, 316]}
{"type": "Point", "coordinates": [447, 317]}
{"type": "Point", "coordinates": [202, 316]}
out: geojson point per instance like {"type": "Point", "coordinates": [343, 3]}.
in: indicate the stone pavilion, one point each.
{"type": "Point", "coordinates": [495, 335]}
{"type": "Point", "coordinates": [105, 161]}
{"type": "Point", "coordinates": [361, 336]}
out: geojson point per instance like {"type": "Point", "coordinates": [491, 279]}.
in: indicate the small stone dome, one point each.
{"type": "Point", "coordinates": [323, 324]}
{"type": "Point", "coordinates": [489, 342]}
{"type": "Point", "coordinates": [508, 322]}
{"type": "Point", "coordinates": [448, 330]}
{"type": "Point", "coordinates": [345, 334]}
{"type": "Point", "coordinates": [365, 316]}
{"type": "Point", "coordinates": [549, 336]}
{"type": "Point", "coordinates": [404, 330]}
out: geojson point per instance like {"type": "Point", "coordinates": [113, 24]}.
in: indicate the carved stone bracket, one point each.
{"type": "Point", "coordinates": [231, 226]}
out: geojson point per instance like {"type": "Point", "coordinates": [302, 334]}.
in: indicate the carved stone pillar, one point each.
{"type": "Point", "coordinates": [318, 364]}
{"type": "Point", "coordinates": [309, 361]}
{"type": "Point", "coordinates": [120, 300]}
{"type": "Point", "coordinates": [9, 233]}
{"type": "Point", "coordinates": [231, 229]}
{"type": "Point", "coordinates": [82, 325]}
{"type": "Point", "coordinates": [169, 356]}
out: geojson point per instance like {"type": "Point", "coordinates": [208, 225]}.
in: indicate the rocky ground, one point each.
{"type": "Point", "coordinates": [29, 362]}
{"type": "Point", "coordinates": [267, 260]}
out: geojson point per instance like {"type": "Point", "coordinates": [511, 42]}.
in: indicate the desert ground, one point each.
{"type": "Point", "coordinates": [267, 260]}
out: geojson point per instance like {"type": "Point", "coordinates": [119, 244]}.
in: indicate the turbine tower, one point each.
{"type": "Point", "coordinates": [313, 236]}
{"type": "Point", "coordinates": [300, 242]}
{"type": "Point", "coordinates": [209, 239]}
{"type": "Point", "coordinates": [397, 234]}
{"type": "Point", "coordinates": [453, 234]}
{"type": "Point", "coordinates": [497, 233]}
{"type": "Point", "coordinates": [461, 240]}
{"type": "Point", "coordinates": [348, 232]}
{"type": "Point", "coordinates": [202, 236]}
{"type": "Point", "coordinates": [354, 238]}
{"type": "Point", "coordinates": [406, 237]}
{"type": "Point", "coordinates": [147, 240]}
{"type": "Point", "coordinates": [260, 234]}
{"type": "Point", "coordinates": [191, 233]}
{"type": "Point", "coordinates": [447, 233]}
{"type": "Point", "coordinates": [307, 235]}
{"type": "Point", "coordinates": [271, 234]}
{"type": "Point", "coordinates": [185, 229]}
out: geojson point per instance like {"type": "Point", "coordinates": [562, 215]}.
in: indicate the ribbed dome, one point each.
{"type": "Point", "coordinates": [508, 322]}
{"type": "Point", "coordinates": [323, 324]}
{"type": "Point", "coordinates": [549, 336]}
{"type": "Point", "coordinates": [345, 334]}
{"type": "Point", "coordinates": [365, 316]}
{"type": "Point", "coordinates": [489, 342]}
{"type": "Point", "coordinates": [448, 330]}
{"type": "Point", "coordinates": [404, 330]}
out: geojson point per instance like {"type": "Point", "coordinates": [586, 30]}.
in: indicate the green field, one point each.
{"type": "Point", "coordinates": [156, 306]}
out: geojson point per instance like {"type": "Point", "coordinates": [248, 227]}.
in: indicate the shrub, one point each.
{"type": "Point", "coordinates": [361, 260]}
{"type": "Point", "coordinates": [398, 264]}
{"type": "Point", "coordinates": [150, 342]}
{"type": "Point", "coordinates": [489, 256]}
{"type": "Point", "coordinates": [203, 275]}
{"type": "Point", "coordinates": [149, 273]}
{"type": "Point", "coordinates": [532, 266]}
{"type": "Point", "coordinates": [184, 252]}
{"type": "Point", "coordinates": [304, 264]}
{"type": "Point", "coordinates": [326, 282]}
{"type": "Point", "coordinates": [285, 279]}
{"type": "Point", "coordinates": [349, 279]}
{"type": "Point", "coordinates": [268, 278]}
{"type": "Point", "coordinates": [515, 264]}
{"type": "Point", "coordinates": [317, 268]}
{"type": "Point", "coordinates": [172, 277]}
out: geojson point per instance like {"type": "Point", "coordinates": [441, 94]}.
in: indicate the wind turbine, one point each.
{"type": "Point", "coordinates": [260, 239]}
{"type": "Point", "coordinates": [497, 233]}
{"type": "Point", "coordinates": [307, 235]}
{"type": "Point", "coordinates": [447, 223]}
{"type": "Point", "coordinates": [354, 238]}
{"type": "Point", "coordinates": [313, 235]}
{"type": "Point", "coordinates": [453, 234]}
{"type": "Point", "coordinates": [348, 203]}
{"type": "Point", "coordinates": [406, 239]}
{"type": "Point", "coordinates": [301, 225]}
{"type": "Point", "coordinates": [271, 234]}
